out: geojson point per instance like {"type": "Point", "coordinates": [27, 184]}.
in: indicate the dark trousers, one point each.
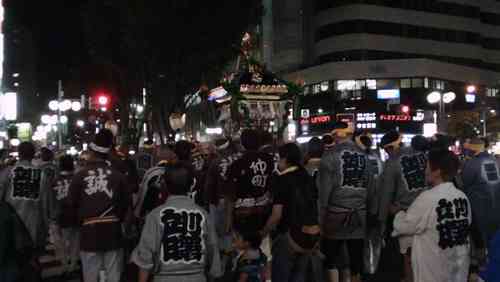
{"type": "Point", "coordinates": [332, 249]}
{"type": "Point", "coordinates": [289, 266]}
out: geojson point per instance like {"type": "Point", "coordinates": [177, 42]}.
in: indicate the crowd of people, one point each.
{"type": "Point", "coordinates": [254, 209]}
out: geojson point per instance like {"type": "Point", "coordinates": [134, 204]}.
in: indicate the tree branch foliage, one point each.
{"type": "Point", "coordinates": [175, 44]}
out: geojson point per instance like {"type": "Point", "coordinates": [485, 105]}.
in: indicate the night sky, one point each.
{"type": "Point", "coordinates": [57, 29]}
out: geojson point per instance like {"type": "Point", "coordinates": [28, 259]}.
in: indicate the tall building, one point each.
{"type": "Point", "coordinates": [19, 66]}
{"type": "Point", "coordinates": [356, 47]}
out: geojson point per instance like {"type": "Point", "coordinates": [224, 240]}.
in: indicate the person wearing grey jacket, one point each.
{"type": "Point", "coordinates": [24, 188]}
{"type": "Point", "coordinates": [345, 183]}
{"type": "Point", "coordinates": [178, 242]}
{"type": "Point", "coordinates": [402, 181]}
{"type": "Point", "coordinates": [403, 178]}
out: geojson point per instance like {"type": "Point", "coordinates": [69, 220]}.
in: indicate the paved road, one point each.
{"type": "Point", "coordinates": [389, 268]}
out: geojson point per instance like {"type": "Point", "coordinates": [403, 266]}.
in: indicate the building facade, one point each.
{"type": "Point", "coordinates": [354, 48]}
{"type": "Point", "coordinates": [19, 66]}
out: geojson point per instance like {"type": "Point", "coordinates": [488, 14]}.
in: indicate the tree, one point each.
{"type": "Point", "coordinates": [168, 47]}
{"type": "Point", "coordinates": [462, 124]}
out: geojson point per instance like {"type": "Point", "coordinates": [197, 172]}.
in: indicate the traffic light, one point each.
{"type": "Point", "coordinates": [405, 109]}
{"type": "Point", "coordinates": [102, 101]}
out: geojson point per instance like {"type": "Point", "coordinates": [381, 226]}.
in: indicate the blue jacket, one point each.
{"type": "Point", "coordinates": [481, 181]}
{"type": "Point", "coordinates": [492, 272]}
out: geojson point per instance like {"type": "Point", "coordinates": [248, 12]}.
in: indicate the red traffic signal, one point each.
{"type": "Point", "coordinates": [103, 100]}
{"type": "Point", "coordinates": [405, 109]}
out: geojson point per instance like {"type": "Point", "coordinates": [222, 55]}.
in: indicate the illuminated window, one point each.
{"type": "Point", "coordinates": [437, 84]}
{"type": "Point", "coordinates": [307, 89]}
{"type": "Point", "coordinates": [316, 88]}
{"type": "Point", "coordinates": [417, 82]}
{"type": "Point", "coordinates": [491, 92]}
{"type": "Point", "coordinates": [343, 85]}
{"type": "Point", "coordinates": [388, 83]}
{"type": "Point", "coordinates": [360, 84]}
{"type": "Point", "coordinates": [405, 83]}
{"type": "Point", "coordinates": [325, 85]}
{"type": "Point", "coordinates": [371, 84]}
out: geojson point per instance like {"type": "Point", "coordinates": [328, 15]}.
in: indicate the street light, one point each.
{"type": "Point", "coordinates": [45, 119]}
{"type": "Point", "coordinates": [76, 106]}
{"type": "Point", "coordinates": [65, 105]}
{"type": "Point", "coordinates": [140, 109]}
{"type": "Point", "coordinates": [54, 119]}
{"type": "Point", "coordinates": [449, 97]}
{"type": "Point", "coordinates": [54, 105]}
{"type": "Point", "coordinates": [443, 99]}
{"type": "Point", "coordinates": [80, 123]}
{"type": "Point", "coordinates": [15, 142]}
{"type": "Point", "coordinates": [63, 119]}
{"type": "Point", "coordinates": [434, 97]}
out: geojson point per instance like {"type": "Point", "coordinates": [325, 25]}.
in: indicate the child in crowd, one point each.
{"type": "Point", "coordinates": [250, 262]}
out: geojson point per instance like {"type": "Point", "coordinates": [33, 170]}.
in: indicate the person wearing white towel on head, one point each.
{"type": "Point", "coordinates": [439, 220]}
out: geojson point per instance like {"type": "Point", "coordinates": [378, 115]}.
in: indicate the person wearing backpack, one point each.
{"type": "Point", "coordinates": [295, 218]}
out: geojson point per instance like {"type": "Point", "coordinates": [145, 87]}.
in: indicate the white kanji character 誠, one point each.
{"type": "Point", "coordinates": [98, 182]}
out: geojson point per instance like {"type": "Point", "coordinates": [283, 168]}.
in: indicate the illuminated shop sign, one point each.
{"type": "Point", "coordinates": [348, 118]}
{"type": "Point", "coordinates": [304, 113]}
{"type": "Point", "coordinates": [388, 121]}
{"type": "Point", "coordinates": [395, 117]}
{"type": "Point", "coordinates": [419, 116]}
{"type": "Point", "coordinates": [317, 120]}
{"type": "Point", "coordinates": [366, 117]}
{"type": "Point", "coordinates": [388, 94]}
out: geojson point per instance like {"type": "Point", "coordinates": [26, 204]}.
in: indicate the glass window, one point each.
{"type": "Point", "coordinates": [360, 84]}
{"type": "Point", "coordinates": [387, 83]}
{"type": "Point", "coordinates": [491, 92]}
{"type": "Point", "coordinates": [426, 82]}
{"type": "Point", "coordinates": [307, 89]}
{"type": "Point", "coordinates": [405, 83]}
{"type": "Point", "coordinates": [343, 85]}
{"type": "Point", "coordinates": [437, 84]}
{"type": "Point", "coordinates": [325, 85]}
{"type": "Point", "coordinates": [371, 84]}
{"type": "Point", "coordinates": [316, 88]}
{"type": "Point", "coordinates": [417, 83]}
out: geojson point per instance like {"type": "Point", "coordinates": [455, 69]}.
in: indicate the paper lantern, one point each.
{"type": "Point", "coordinates": [177, 121]}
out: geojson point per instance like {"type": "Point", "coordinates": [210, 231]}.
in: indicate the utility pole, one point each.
{"type": "Point", "coordinates": [60, 96]}
{"type": "Point", "coordinates": [484, 116]}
